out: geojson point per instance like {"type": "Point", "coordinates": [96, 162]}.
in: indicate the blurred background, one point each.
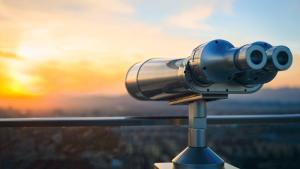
{"type": "Point", "coordinates": [69, 58]}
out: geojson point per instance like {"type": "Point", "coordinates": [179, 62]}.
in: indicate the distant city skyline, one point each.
{"type": "Point", "coordinates": [79, 47]}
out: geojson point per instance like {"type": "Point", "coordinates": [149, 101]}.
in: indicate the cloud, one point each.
{"type": "Point", "coordinates": [88, 28]}
{"type": "Point", "coordinates": [196, 16]}
{"type": "Point", "coordinates": [82, 46]}
{"type": "Point", "coordinates": [75, 6]}
{"type": "Point", "coordinates": [9, 55]}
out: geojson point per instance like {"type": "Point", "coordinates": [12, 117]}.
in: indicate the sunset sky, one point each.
{"type": "Point", "coordinates": [62, 47]}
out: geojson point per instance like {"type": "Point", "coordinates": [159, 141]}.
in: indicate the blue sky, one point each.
{"type": "Point", "coordinates": [277, 22]}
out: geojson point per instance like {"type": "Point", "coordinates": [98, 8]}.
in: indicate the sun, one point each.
{"type": "Point", "coordinates": [19, 84]}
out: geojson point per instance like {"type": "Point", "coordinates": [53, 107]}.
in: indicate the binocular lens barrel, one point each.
{"type": "Point", "coordinates": [251, 57]}
{"type": "Point", "coordinates": [281, 57]}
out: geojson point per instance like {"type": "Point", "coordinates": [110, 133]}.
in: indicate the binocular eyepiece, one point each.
{"type": "Point", "coordinates": [216, 67]}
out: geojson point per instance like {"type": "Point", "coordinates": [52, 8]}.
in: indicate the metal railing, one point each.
{"type": "Point", "coordinates": [145, 121]}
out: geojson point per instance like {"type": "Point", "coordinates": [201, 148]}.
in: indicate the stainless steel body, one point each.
{"type": "Point", "coordinates": [216, 67]}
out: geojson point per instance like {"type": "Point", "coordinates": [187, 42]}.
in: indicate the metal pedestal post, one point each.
{"type": "Point", "coordinates": [197, 155]}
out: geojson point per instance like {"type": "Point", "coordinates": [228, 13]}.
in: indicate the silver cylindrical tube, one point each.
{"type": "Point", "coordinates": [197, 124]}
{"type": "Point", "coordinates": [156, 79]}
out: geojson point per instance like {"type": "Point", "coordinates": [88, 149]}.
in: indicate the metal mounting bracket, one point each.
{"type": "Point", "coordinates": [197, 97]}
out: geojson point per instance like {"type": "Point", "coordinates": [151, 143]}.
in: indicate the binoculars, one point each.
{"type": "Point", "coordinates": [213, 68]}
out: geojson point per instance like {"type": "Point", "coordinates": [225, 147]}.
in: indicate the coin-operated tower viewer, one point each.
{"type": "Point", "coordinates": [213, 71]}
